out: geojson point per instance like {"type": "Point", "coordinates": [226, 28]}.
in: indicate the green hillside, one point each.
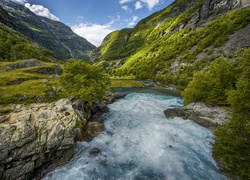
{"type": "Point", "coordinates": [55, 36]}
{"type": "Point", "coordinates": [170, 46]}
{"type": "Point", "coordinates": [15, 46]}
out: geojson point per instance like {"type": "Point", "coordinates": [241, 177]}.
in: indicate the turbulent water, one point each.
{"type": "Point", "coordinates": [139, 143]}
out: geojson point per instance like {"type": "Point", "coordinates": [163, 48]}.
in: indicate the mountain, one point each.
{"type": "Point", "coordinates": [174, 43]}
{"type": "Point", "coordinates": [55, 36]}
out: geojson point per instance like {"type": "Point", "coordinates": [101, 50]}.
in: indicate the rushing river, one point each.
{"type": "Point", "coordinates": [139, 143]}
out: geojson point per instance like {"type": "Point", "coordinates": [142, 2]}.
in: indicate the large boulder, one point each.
{"type": "Point", "coordinates": [205, 115]}
{"type": "Point", "coordinates": [36, 138]}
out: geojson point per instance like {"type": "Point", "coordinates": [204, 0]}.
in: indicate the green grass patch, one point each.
{"type": "Point", "coordinates": [25, 85]}
{"type": "Point", "coordinates": [120, 82]}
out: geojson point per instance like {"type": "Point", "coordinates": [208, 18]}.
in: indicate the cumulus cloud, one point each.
{"type": "Point", "coordinates": [138, 5]}
{"type": "Point", "coordinates": [94, 33]}
{"type": "Point", "coordinates": [151, 3]}
{"type": "Point", "coordinates": [41, 11]}
{"type": "Point", "coordinates": [132, 22]}
{"type": "Point", "coordinates": [124, 1]}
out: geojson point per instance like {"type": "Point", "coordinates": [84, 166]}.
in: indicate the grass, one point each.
{"type": "Point", "coordinates": [24, 85]}
{"type": "Point", "coordinates": [128, 81]}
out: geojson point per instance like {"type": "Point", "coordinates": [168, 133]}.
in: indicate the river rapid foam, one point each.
{"type": "Point", "coordinates": [139, 143]}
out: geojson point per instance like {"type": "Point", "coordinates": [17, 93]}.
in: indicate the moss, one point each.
{"type": "Point", "coordinates": [5, 110]}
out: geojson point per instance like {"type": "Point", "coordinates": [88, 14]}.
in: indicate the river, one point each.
{"type": "Point", "coordinates": [139, 143]}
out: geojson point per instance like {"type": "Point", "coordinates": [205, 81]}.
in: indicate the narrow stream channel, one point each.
{"type": "Point", "coordinates": [139, 143]}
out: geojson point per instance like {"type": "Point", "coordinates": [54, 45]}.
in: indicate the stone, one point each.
{"type": "Point", "coordinates": [205, 115]}
{"type": "Point", "coordinates": [37, 138]}
{"type": "Point", "coordinates": [24, 64]}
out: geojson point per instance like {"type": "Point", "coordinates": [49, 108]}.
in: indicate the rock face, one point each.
{"type": "Point", "coordinates": [204, 115]}
{"type": "Point", "coordinates": [36, 138]}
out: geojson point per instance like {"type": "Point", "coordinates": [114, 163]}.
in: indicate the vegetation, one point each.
{"type": "Point", "coordinates": [84, 80]}
{"type": "Point", "coordinates": [233, 138]}
{"type": "Point", "coordinates": [212, 86]}
{"type": "Point", "coordinates": [25, 85]}
{"type": "Point", "coordinates": [125, 82]}
{"type": "Point", "coordinates": [160, 49]}
{"type": "Point", "coordinates": [14, 46]}
{"type": "Point", "coordinates": [224, 85]}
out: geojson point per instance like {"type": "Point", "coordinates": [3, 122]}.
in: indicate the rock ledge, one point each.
{"type": "Point", "coordinates": [205, 115]}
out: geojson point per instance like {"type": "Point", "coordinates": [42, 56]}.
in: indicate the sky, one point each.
{"type": "Point", "coordinates": [94, 19]}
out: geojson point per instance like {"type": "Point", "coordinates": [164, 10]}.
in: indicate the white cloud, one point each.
{"type": "Point", "coordinates": [124, 1]}
{"type": "Point", "coordinates": [132, 22]}
{"type": "Point", "coordinates": [21, 1]}
{"type": "Point", "coordinates": [134, 18]}
{"type": "Point", "coordinates": [138, 5]}
{"type": "Point", "coordinates": [126, 8]}
{"type": "Point", "coordinates": [94, 33]}
{"type": "Point", "coordinates": [151, 3]}
{"type": "Point", "coordinates": [41, 11]}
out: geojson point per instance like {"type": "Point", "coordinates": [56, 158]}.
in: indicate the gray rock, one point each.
{"type": "Point", "coordinates": [36, 135]}
{"type": "Point", "coordinates": [205, 115]}
{"type": "Point", "coordinates": [24, 64]}
{"type": "Point", "coordinates": [50, 70]}
{"type": "Point", "coordinates": [36, 138]}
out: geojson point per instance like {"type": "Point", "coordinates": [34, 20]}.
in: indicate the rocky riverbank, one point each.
{"type": "Point", "coordinates": [205, 115]}
{"type": "Point", "coordinates": [36, 138]}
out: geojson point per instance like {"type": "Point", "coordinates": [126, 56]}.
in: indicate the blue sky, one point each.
{"type": "Point", "coordinates": [94, 19]}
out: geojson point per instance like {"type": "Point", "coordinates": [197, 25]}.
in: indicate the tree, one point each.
{"type": "Point", "coordinates": [84, 80]}
{"type": "Point", "coordinates": [232, 143]}
{"type": "Point", "coordinates": [211, 86]}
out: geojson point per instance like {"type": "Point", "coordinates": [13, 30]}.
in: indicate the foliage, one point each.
{"type": "Point", "coordinates": [233, 138]}
{"type": "Point", "coordinates": [211, 86]}
{"type": "Point", "coordinates": [87, 81]}
{"type": "Point", "coordinates": [14, 46]}
{"type": "Point", "coordinates": [149, 50]}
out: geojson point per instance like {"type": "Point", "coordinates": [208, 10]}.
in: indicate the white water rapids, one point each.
{"type": "Point", "coordinates": [139, 143]}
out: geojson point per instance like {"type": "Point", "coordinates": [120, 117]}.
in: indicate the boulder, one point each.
{"type": "Point", "coordinates": [205, 115]}
{"type": "Point", "coordinates": [35, 137]}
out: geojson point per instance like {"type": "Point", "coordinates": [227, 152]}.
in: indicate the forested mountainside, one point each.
{"type": "Point", "coordinates": [54, 39]}
{"type": "Point", "coordinates": [172, 44]}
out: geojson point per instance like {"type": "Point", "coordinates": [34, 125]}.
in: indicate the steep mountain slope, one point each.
{"type": "Point", "coordinates": [55, 36]}
{"type": "Point", "coordinates": [172, 44]}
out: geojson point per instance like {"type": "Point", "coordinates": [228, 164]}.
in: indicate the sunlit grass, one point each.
{"type": "Point", "coordinates": [128, 81]}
